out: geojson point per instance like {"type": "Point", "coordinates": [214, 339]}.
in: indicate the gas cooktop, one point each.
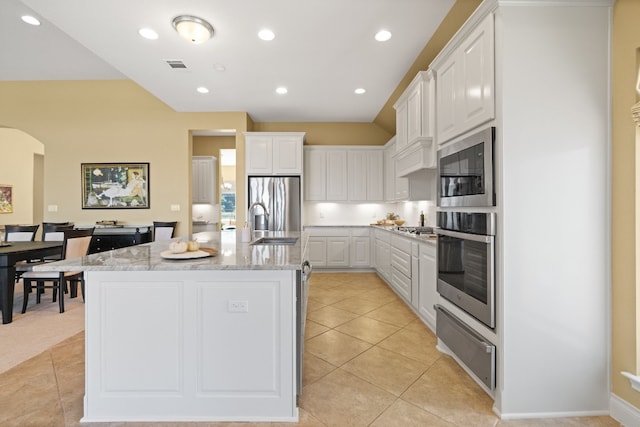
{"type": "Point", "coordinates": [416, 230]}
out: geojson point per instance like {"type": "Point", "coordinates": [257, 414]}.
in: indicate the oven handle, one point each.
{"type": "Point", "coordinates": [465, 236]}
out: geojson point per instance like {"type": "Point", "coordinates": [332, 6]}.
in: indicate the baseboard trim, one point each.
{"type": "Point", "coordinates": [623, 412]}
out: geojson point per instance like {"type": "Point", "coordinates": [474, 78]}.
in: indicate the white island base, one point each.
{"type": "Point", "coordinates": [190, 345]}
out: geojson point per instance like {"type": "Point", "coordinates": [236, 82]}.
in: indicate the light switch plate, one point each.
{"type": "Point", "coordinates": [175, 208]}
{"type": "Point", "coordinates": [52, 208]}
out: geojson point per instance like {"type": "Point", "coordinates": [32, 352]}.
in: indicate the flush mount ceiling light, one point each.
{"type": "Point", "coordinates": [192, 28]}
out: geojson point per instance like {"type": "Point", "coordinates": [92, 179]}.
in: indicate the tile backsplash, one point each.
{"type": "Point", "coordinates": [325, 213]}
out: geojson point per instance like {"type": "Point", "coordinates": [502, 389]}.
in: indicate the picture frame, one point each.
{"type": "Point", "coordinates": [115, 185]}
{"type": "Point", "coordinates": [6, 199]}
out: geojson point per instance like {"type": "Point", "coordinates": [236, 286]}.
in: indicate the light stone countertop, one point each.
{"type": "Point", "coordinates": [426, 238]}
{"type": "Point", "coordinates": [232, 255]}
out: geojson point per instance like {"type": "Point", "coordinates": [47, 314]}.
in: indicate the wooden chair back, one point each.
{"type": "Point", "coordinates": [163, 230]}
{"type": "Point", "coordinates": [20, 233]}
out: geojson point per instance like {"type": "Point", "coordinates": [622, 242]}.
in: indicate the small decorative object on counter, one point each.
{"type": "Point", "coordinates": [246, 233]}
{"type": "Point", "coordinates": [178, 247]}
{"type": "Point", "coordinates": [421, 218]}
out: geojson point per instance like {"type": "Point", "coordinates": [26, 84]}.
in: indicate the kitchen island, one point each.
{"type": "Point", "coordinates": [206, 339]}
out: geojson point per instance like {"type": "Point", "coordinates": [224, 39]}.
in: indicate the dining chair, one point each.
{"type": "Point", "coordinates": [163, 230]}
{"type": "Point", "coordinates": [21, 233]}
{"type": "Point", "coordinates": [54, 232]}
{"type": "Point", "coordinates": [75, 244]}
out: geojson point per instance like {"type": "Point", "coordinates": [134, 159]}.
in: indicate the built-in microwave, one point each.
{"type": "Point", "coordinates": [466, 171]}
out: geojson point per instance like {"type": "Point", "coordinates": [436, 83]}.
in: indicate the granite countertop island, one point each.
{"type": "Point", "coordinates": [192, 340]}
{"type": "Point", "coordinates": [232, 254]}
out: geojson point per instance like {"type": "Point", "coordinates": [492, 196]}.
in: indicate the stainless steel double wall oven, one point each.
{"type": "Point", "coordinates": [466, 228]}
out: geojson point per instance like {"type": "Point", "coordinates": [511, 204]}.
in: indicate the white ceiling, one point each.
{"type": "Point", "coordinates": [323, 51]}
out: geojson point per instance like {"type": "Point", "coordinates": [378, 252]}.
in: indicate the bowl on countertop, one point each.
{"type": "Point", "coordinates": [399, 222]}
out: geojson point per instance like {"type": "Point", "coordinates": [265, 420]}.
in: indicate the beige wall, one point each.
{"type": "Point", "coordinates": [344, 133]}
{"type": "Point", "coordinates": [22, 170]}
{"type": "Point", "coordinates": [626, 41]}
{"type": "Point", "coordinates": [109, 121]}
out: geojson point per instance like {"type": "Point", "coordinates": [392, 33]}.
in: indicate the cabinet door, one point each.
{"type": "Point", "coordinates": [428, 295]}
{"type": "Point", "coordinates": [383, 259]}
{"type": "Point", "coordinates": [337, 175]}
{"type": "Point", "coordinates": [477, 71]}
{"type": "Point", "coordinates": [446, 96]}
{"type": "Point", "coordinates": [375, 176]}
{"type": "Point", "coordinates": [203, 182]}
{"type": "Point", "coordinates": [414, 114]}
{"type": "Point", "coordinates": [259, 154]}
{"type": "Point", "coordinates": [357, 175]}
{"type": "Point", "coordinates": [389, 174]}
{"type": "Point", "coordinates": [315, 175]}
{"type": "Point", "coordinates": [401, 127]}
{"type": "Point", "coordinates": [360, 252]}
{"type": "Point", "coordinates": [317, 251]}
{"type": "Point", "coordinates": [287, 155]}
{"type": "Point", "coordinates": [338, 251]}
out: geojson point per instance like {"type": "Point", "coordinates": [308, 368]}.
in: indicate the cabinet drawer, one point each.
{"type": "Point", "coordinates": [401, 261]}
{"type": "Point", "coordinates": [382, 235]}
{"type": "Point", "coordinates": [401, 243]}
{"type": "Point", "coordinates": [360, 232]}
{"type": "Point", "coordinates": [401, 282]}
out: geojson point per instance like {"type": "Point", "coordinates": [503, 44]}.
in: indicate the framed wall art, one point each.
{"type": "Point", "coordinates": [6, 199]}
{"type": "Point", "coordinates": [115, 185]}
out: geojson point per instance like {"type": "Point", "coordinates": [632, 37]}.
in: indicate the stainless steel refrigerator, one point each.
{"type": "Point", "coordinates": [280, 195]}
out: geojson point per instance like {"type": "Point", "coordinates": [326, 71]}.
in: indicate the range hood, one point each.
{"type": "Point", "coordinates": [418, 156]}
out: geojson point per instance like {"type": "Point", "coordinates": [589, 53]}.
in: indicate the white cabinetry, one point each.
{"type": "Point", "coordinates": [420, 185]}
{"type": "Point", "coordinates": [360, 246]}
{"type": "Point", "coordinates": [382, 253]}
{"type": "Point", "coordinates": [339, 247]}
{"type": "Point", "coordinates": [343, 173]}
{"type": "Point", "coordinates": [203, 171]}
{"type": "Point", "coordinates": [401, 265]}
{"type": "Point", "coordinates": [364, 175]}
{"type": "Point", "coordinates": [428, 294]}
{"type": "Point", "coordinates": [552, 354]}
{"type": "Point", "coordinates": [465, 82]}
{"type": "Point", "coordinates": [271, 153]}
{"type": "Point", "coordinates": [415, 149]}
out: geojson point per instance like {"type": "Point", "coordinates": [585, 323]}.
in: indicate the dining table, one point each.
{"type": "Point", "coordinates": [10, 254]}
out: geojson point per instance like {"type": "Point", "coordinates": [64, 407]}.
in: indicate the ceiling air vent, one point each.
{"type": "Point", "coordinates": [176, 63]}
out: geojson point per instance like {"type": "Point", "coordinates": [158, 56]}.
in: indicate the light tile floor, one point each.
{"type": "Point", "coordinates": [369, 361]}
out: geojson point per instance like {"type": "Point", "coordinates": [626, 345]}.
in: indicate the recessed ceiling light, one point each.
{"type": "Point", "coordinates": [148, 33]}
{"type": "Point", "coordinates": [383, 35]}
{"type": "Point", "coordinates": [359, 91]}
{"type": "Point", "coordinates": [266, 34]}
{"type": "Point", "coordinates": [31, 20]}
{"type": "Point", "coordinates": [281, 90]}
{"type": "Point", "coordinates": [202, 89]}
{"type": "Point", "coordinates": [219, 67]}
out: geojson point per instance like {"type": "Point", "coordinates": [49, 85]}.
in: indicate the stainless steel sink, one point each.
{"type": "Point", "coordinates": [275, 241]}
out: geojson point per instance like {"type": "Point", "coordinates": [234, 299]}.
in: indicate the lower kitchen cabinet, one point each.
{"type": "Point", "coordinates": [409, 266]}
{"type": "Point", "coordinates": [339, 247]}
{"type": "Point", "coordinates": [383, 253]}
{"type": "Point", "coordinates": [401, 266]}
{"type": "Point", "coordinates": [428, 295]}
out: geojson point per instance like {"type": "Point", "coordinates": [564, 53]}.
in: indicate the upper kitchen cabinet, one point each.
{"type": "Point", "coordinates": [415, 123]}
{"type": "Point", "coordinates": [274, 153]}
{"type": "Point", "coordinates": [203, 171]}
{"type": "Point", "coordinates": [365, 177]}
{"type": "Point", "coordinates": [343, 173]}
{"type": "Point", "coordinates": [465, 82]}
